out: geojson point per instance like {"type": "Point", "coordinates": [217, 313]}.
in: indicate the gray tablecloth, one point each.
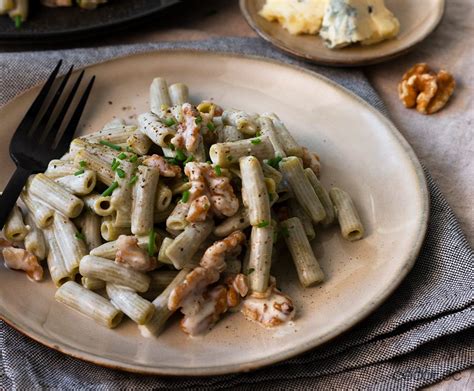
{"type": "Point", "coordinates": [420, 335]}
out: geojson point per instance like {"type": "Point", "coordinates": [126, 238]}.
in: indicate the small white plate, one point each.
{"type": "Point", "coordinates": [417, 20]}
{"type": "Point", "coordinates": [361, 151]}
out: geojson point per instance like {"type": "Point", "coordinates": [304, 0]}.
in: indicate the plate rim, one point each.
{"type": "Point", "coordinates": [27, 38]}
{"type": "Point", "coordinates": [336, 63]}
{"type": "Point", "coordinates": [349, 323]}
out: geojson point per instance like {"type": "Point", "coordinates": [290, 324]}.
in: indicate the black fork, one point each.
{"type": "Point", "coordinates": [32, 148]}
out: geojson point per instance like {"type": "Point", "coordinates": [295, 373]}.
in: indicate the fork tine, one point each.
{"type": "Point", "coordinates": [34, 109]}
{"type": "Point", "coordinates": [68, 134]}
{"type": "Point", "coordinates": [41, 128]}
{"type": "Point", "coordinates": [57, 123]}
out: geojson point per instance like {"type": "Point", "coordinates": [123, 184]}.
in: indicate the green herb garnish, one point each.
{"type": "Point", "coordinates": [132, 180]}
{"type": "Point", "coordinates": [79, 236]}
{"type": "Point", "coordinates": [263, 224]}
{"type": "Point", "coordinates": [185, 196]}
{"type": "Point", "coordinates": [171, 146]}
{"type": "Point", "coordinates": [189, 159]}
{"type": "Point", "coordinates": [274, 162]}
{"type": "Point", "coordinates": [218, 170]}
{"type": "Point", "coordinates": [83, 163]}
{"type": "Point", "coordinates": [211, 126]}
{"type": "Point", "coordinates": [170, 122]}
{"type": "Point", "coordinates": [133, 159]}
{"type": "Point", "coordinates": [110, 189]}
{"type": "Point", "coordinates": [122, 156]}
{"type": "Point", "coordinates": [128, 149]}
{"type": "Point", "coordinates": [110, 145]}
{"type": "Point", "coordinates": [18, 21]}
{"type": "Point", "coordinates": [180, 155]}
{"type": "Point", "coordinates": [79, 172]}
{"type": "Point", "coordinates": [151, 243]}
{"type": "Point", "coordinates": [198, 120]}
{"type": "Point", "coordinates": [255, 141]}
{"type": "Point", "coordinates": [120, 173]}
{"type": "Point", "coordinates": [115, 164]}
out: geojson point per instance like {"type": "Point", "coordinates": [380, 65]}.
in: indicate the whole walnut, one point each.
{"type": "Point", "coordinates": [427, 91]}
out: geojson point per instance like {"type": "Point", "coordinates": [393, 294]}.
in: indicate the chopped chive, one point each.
{"type": "Point", "coordinates": [171, 146]}
{"type": "Point", "coordinates": [18, 21]}
{"type": "Point", "coordinates": [229, 158]}
{"type": "Point", "coordinates": [263, 224]}
{"type": "Point", "coordinates": [110, 189]}
{"type": "Point", "coordinates": [151, 243]}
{"type": "Point", "coordinates": [83, 163]}
{"type": "Point", "coordinates": [180, 155]}
{"type": "Point", "coordinates": [284, 232]}
{"type": "Point", "coordinates": [250, 271]}
{"type": "Point", "coordinates": [133, 159]}
{"type": "Point", "coordinates": [211, 126]}
{"type": "Point", "coordinates": [258, 133]}
{"type": "Point", "coordinates": [110, 145]}
{"type": "Point", "coordinates": [120, 173]}
{"type": "Point", "coordinates": [122, 156]}
{"type": "Point", "coordinates": [218, 170]}
{"type": "Point", "coordinates": [79, 236]}
{"type": "Point", "coordinates": [185, 196]}
{"type": "Point", "coordinates": [170, 122]}
{"type": "Point", "coordinates": [274, 162]}
{"type": "Point", "coordinates": [128, 149]}
{"type": "Point", "coordinates": [115, 164]}
{"type": "Point", "coordinates": [256, 141]}
{"type": "Point", "coordinates": [172, 160]}
{"type": "Point", "coordinates": [79, 172]}
{"type": "Point", "coordinates": [198, 120]}
{"type": "Point", "coordinates": [189, 159]}
{"type": "Point", "coordinates": [132, 180]}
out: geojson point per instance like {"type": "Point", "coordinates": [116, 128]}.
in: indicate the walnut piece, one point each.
{"type": "Point", "coordinates": [131, 256]}
{"type": "Point", "coordinates": [425, 90]}
{"type": "Point", "coordinates": [218, 192]}
{"type": "Point", "coordinates": [166, 169]}
{"type": "Point", "coordinates": [188, 134]}
{"type": "Point", "coordinates": [269, 309]}
{"type": "Point", "coordinates": [20, 259]}
{"type": "Point", "coordinates": [202, 306]}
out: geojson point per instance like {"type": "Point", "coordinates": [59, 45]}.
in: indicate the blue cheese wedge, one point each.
{"type": "Point", "coordinates": [351, 21]}
{"type": "Point", "coordinates": [296, 16]}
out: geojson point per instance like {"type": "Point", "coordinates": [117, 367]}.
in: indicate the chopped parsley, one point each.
{"type": "Point", "coordinates": [180, 155]}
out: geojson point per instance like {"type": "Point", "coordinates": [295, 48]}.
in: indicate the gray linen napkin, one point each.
{"type": "Point", "coordinates": [420, 335]}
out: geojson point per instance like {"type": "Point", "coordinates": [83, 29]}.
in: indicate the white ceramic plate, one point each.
{"type": "Point", "coordinates": [361, 151]}
{"type": "Point", "coordinates": [417, 20]}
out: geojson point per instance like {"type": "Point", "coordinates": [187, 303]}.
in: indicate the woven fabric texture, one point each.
{"type": "Point", "coordinates": [420, 335]}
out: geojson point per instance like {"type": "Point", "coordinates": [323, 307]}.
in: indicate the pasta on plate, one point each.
{"type": "Point", "coordinates": [179, 212]}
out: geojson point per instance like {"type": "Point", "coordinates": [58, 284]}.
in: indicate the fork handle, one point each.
{"type": "Point", "coordinates": [12, 192]}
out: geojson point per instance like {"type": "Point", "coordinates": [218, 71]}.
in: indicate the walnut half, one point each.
{"type": "Point", "coordinates": [427, 91]}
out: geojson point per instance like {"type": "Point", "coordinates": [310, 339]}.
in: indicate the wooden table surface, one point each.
{"type": "Point", "coordinates": [443, 142]}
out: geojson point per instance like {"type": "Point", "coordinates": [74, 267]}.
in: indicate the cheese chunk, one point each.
{"type": "Point", "coordinates": [297, 16]}
{"type": "Point", "coordinates": [351, 21]}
